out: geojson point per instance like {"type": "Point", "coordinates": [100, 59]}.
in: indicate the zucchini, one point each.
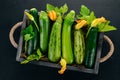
{"type": "Point", "coordinates": [67, 52]}
{"type": "Point", "coordinates": [33, 43]}
{"type": "Point", "coordinates": [90, 51]}
{"type": "Point", "coordinates": [44, 31]}
{"type": "Point", "coordinates": [54, 50]}
{"type": "Point", "coordinates": [79, 46]}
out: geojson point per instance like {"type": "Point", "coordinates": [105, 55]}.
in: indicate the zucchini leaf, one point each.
{"type": "Point", "coordinates": [64, 9]}
{"type": "Point", "coordinates": [105, 27]}
{"type": "Point", "coordinates": [86, 14]}
{"type": "Point", "coordinates": [28, 33]}
{"type": "Point", "coordinates": [49, 7]}
{"type": "Point", "coordinates": [27, 37]}
{"type": "Point", "coordinates": [60, 11]}
{"type": "Point", "coordinates": [84, 11]}
{"type": "Point", "coordinates": [108, 28]}
{"type": "Point", "coordinates": [36, 56]}
{"type": "Point", "coordinates": [89, 16]}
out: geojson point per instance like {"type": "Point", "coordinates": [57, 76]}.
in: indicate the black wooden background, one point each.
{"type": "Point", "coordinates": [11, 12]}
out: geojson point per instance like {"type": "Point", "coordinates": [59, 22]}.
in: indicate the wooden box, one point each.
{"type": "Point", "coordinates": [79, 68]}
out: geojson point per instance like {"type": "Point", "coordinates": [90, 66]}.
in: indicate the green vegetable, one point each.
{"type": "Point", "coordinates": [79, 46]}
{"type": "Point", "coordinates": [67, 52]}
{"type": "Point", "coordinates": [92, 33]}
{"type": "Point", "coordinates": [32, 44]}
{"type": "Point", "coordinates": [44, 31]}
{"type": "Point", "coordinates": [90, 48]}
{"type": "Point", "coordinates": [34, 13]}
{"type": "Point", "coordinates": [54, 50]}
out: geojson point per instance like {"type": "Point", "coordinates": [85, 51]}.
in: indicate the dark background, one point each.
{"type": "Point", "coordinates": [11, 12]}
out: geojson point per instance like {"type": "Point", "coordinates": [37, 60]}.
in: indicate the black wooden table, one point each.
{"type": "Point", "coordinates": [11, 12]}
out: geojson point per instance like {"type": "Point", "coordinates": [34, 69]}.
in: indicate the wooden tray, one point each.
{"type": "Point", "coordinates": [79, 68]}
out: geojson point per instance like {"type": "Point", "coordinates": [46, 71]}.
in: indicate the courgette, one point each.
{"type": "Point", "coordinates": [54, 50]}
{"type": "Point", "coordinates": [90, 50]}
{"type": "Point", "coordinates": [33, 43]}
{"type": "Point", "coordinates": [67, 51]}
{"type": "Point", "coordinates": [79, 46]}
{"type": "Point", "coordinates": [44, 31]}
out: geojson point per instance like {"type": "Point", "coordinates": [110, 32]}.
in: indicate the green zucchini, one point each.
{"type": "Point", "coordinates": [67, 52]}
{"type": "Point", "coordinates": [79, 46]}
{"type": "Point", "coordinates": [33, 43]}
{"type": "Point", "coordinates": [44, 31]}
{"type": "Point", "coordinates": [90, 50]}
{"type": "Point", "coordinates": [54, 50]}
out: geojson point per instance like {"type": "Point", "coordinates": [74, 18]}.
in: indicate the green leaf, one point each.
{"type": "Point", "coordinates": [64, 9]}
{"type": "Point", "coordinates": [30, 58]}
{"type": "Point", "coordinates": [84, 11]}
{"type": "Point", "coordinates": [86, 14]}
{"type": "Point", "coordinates": [49, 7]}
{"type": "Point", "coordinates": [25, 62]}
{"type": "Point", "coordinates": [39, 53]}
{"type": "Point", "coordinates": [107, 28]}
{"type": "Point", "coordinates": [57, 10]}
{"type": "Point", "coordinates": [27, 37]}
{"type": "Point", "coordinates": [91, 18]}
{"type": "Point", "coordinates": [85, 18]}
{"type": "Point", "coordinates": [28, 33]}
{"type": "Point", "coordinates": [36, 56]}
{"type": "Point", "coordinates": [27, 30]}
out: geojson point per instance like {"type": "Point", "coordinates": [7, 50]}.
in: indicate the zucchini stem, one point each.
{"type": "Point", "coordinates": [36, 25]}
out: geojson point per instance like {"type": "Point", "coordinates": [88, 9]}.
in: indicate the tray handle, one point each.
{"type": "Point", "coordinates": [110, 53]}
{"type": "Point", "coordinates": [12, 40]}
{"type": "Point", "coordinates": [106, 38]}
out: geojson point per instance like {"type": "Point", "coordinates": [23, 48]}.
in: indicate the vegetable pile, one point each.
{"type": "Point", "coordinates": [63, 37]}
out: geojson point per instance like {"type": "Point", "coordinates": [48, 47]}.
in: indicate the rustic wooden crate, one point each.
{"type": "Point", "coordinates": [79, 68]}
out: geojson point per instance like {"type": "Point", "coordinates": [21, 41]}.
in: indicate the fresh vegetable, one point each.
{"type": "Point", "coordinates": [34, 13]}
{"type": "Point", "coordinates": [90, 49]}
{"type": "Point", "coordinates": [33, 43]}
{"type": "Point", "coordinates": [53, 13]}
{"type": "Point", "coordinates": [54, 51]}
{"type": "Point", "coordinates": [79, 41]}
{"type": "Point", "coordinates": [44, 31]}
{"type": "Point", "coordinates": [67, 51]}
{"type": "Point", "coordinates": [94, 26]}
{"type": "Point", "coordinates": [31, 37]}
{"type": "Point", "coordinates": [79, 46]}
{"type": "Point", "coordinates": [54, 36]}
